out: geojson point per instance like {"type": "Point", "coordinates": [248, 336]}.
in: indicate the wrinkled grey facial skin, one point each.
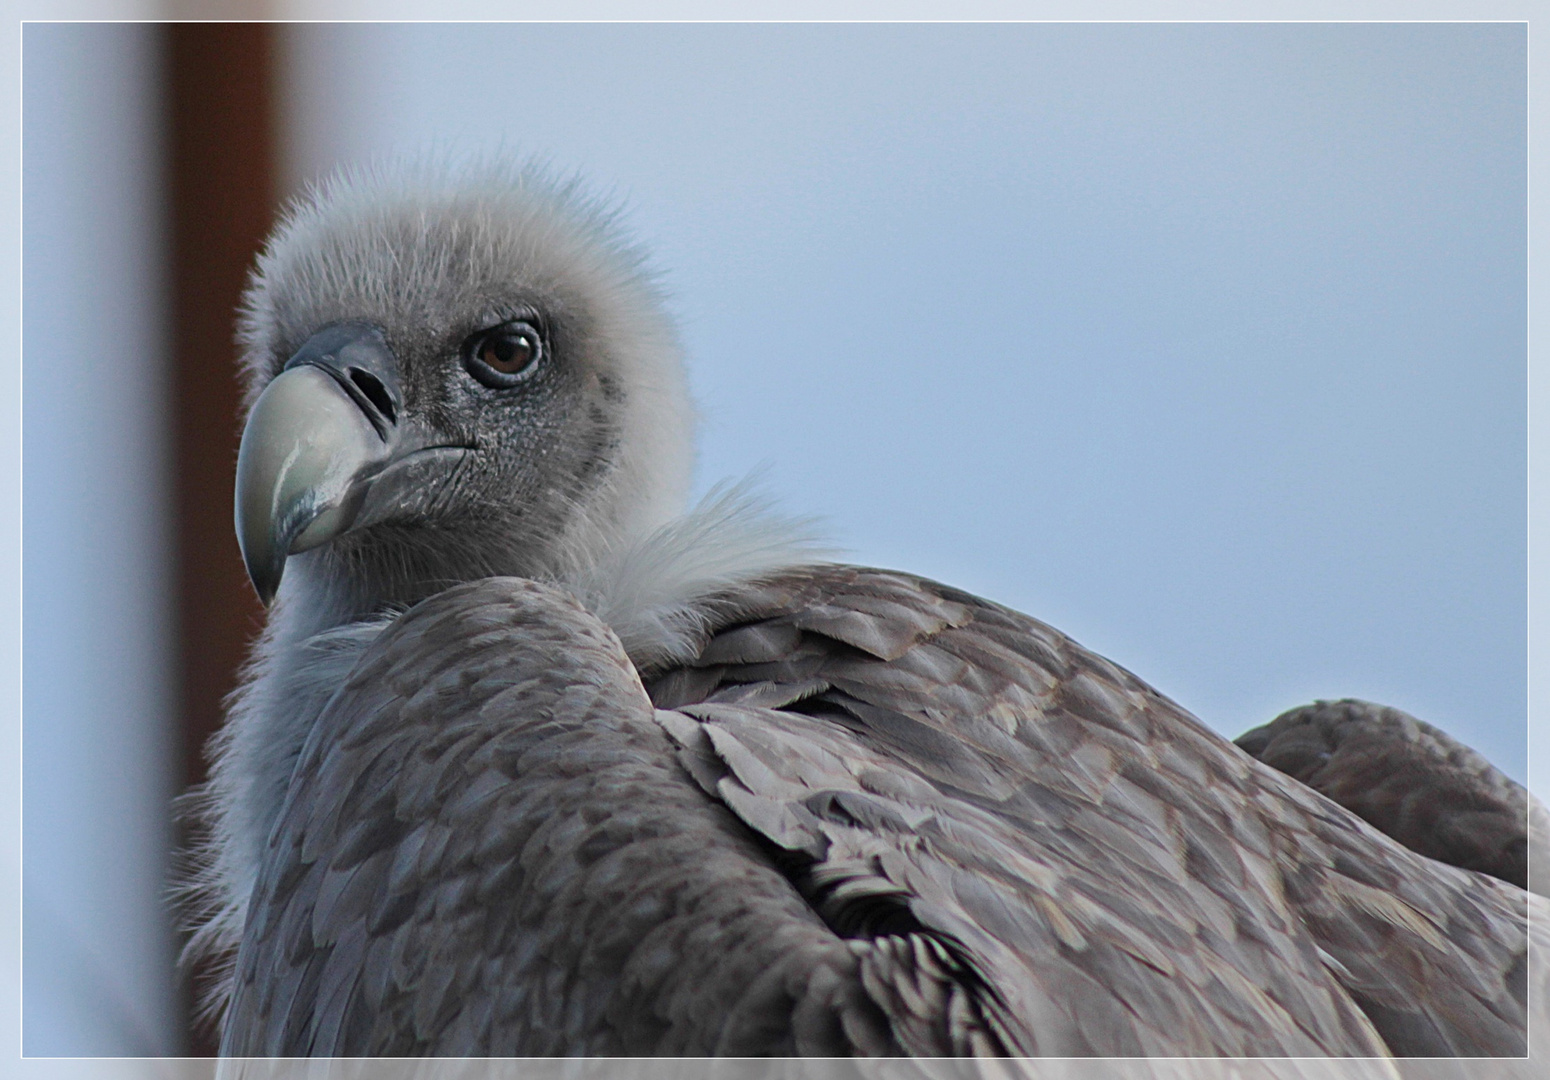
{"type": "Point", "coordinates": [536, 451]}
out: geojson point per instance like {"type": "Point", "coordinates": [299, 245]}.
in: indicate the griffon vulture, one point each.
{"type": "Point", "coordinates": [530, 760]}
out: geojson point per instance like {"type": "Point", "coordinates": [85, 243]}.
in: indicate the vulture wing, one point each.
{"type": "Point", "coordinates": [1151, 889]}
{"type": "Point", "coordinates": [874, 815]}
{"type": "Point", "coordinates": [1418, 784]}
{"type": "Point", "coordinates": [490, 849]}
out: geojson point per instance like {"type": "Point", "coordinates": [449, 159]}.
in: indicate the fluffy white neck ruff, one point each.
{"type": "Point", "coordinates": [651, 592]}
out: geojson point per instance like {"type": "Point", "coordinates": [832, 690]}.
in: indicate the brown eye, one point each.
{"type": "Point", "coordinates": [509, 353]}
{"type": "Point", "coordinates": [503, 356]}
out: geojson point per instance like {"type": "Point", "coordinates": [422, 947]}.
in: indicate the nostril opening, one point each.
{"type": "Point", "coordinates": [375, 392]}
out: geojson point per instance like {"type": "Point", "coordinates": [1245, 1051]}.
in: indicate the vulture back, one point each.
{"type": "Point", "coordinates": [869, 815]}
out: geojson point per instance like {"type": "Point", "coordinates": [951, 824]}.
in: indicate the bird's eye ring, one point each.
{"type": "Point", "coordinates": [504, 355]}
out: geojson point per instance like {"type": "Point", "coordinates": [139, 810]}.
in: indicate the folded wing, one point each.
{"type": "Point", "coordinates": [874, 816]}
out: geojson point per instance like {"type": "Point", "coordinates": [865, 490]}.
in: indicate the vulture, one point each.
{"type": "Point", "coordinates": [533, 759]}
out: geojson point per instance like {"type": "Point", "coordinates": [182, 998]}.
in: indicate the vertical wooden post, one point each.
{"type": "Point", "coordinates": [221, 184]}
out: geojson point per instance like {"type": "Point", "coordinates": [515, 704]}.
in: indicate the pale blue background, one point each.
{"type": "Point", "coordinates": [1204, 343]}
{"type": "Point", "coordinates": [99, 706]}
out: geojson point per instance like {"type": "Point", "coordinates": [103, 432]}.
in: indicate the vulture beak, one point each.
{"type": "Point", "coordinates": [319, 439]}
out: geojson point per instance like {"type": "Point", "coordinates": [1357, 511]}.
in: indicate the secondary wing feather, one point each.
{"type": "Point", "coordinates": [873, 816]}
{"type": "Point", "coordinates": [489, 848]}
{"type": "Point", "coordinates": [1126, 879]}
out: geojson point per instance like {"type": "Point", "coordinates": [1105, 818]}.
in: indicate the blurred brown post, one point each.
{"type": "Point", "coordinates": [221, 185]}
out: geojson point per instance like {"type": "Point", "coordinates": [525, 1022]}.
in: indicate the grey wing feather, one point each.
{"type": "Point", "coordinates": [1402, 775]}
{"type": "Point", "coordinates": [1039, 954]}
{"type": "Point", "coordinates": [489, 848]}
{"type": "Point", "coordinates": [875, 816]}
{"type": "Point", "coordinates": [1115, 878]}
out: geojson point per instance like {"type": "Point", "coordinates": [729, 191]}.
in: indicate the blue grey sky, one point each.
{"type": "Point", "coordinates": [1205, 343]}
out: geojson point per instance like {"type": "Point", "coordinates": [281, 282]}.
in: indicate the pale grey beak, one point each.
{"type": "Point", "coordinates": [317, 436]}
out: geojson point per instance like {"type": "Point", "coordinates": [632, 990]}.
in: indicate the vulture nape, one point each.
{"type": "Point", "coordinates": [532, 760]}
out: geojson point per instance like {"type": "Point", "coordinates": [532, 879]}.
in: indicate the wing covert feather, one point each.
{"type": "Point", "coordinates": [1417, 784]}
{"type": "Point", "coordinates": [489, 848]}
{"type": "Point", "coordinates": [874, 815]}
{"type": "Point", "coordinates": [1125, 879]}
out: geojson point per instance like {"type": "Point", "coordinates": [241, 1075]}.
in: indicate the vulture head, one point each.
{"type": "Point", "coordinates": [453, 374]}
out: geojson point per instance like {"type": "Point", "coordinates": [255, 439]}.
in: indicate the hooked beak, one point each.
{"type": "Point", "coordinates": [316, 443]}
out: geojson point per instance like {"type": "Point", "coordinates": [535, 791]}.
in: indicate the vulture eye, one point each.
{"type": "Point", "coordinates": [503, 356]}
